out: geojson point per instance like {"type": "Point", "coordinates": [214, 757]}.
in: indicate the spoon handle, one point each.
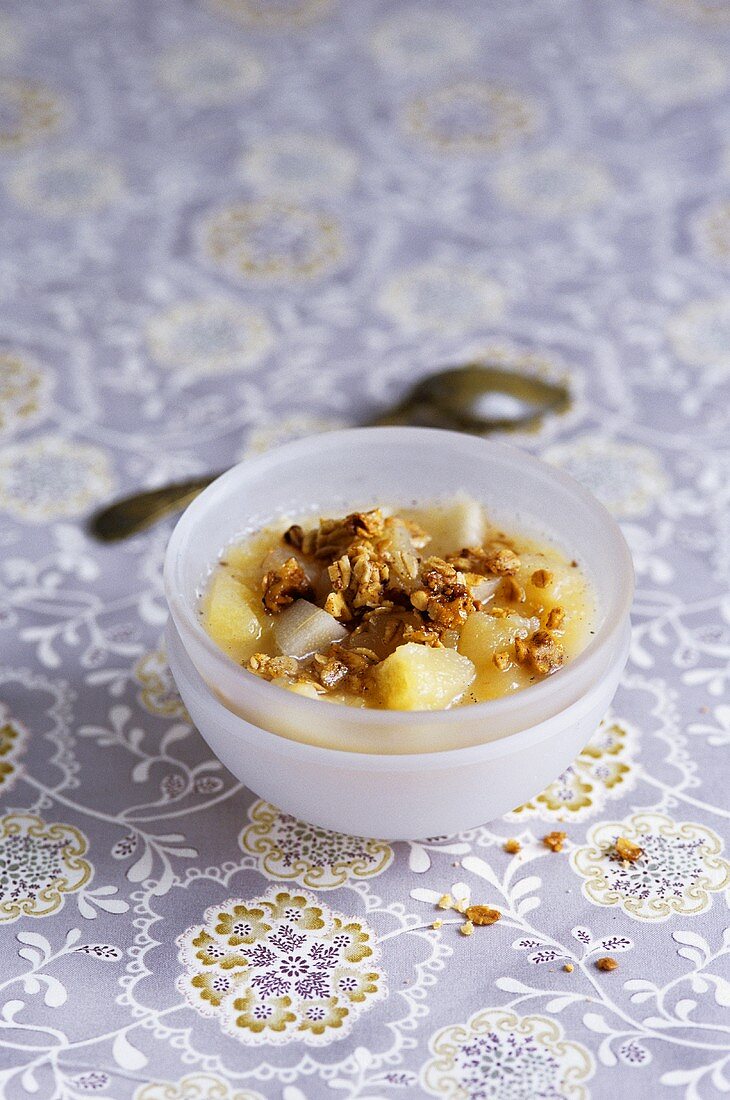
{"type": "Point", "coordinates": [134, 513]}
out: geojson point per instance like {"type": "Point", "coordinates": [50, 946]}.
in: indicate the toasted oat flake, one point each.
{"type": "Point", "coordinates": [483, 914]}
{"type": "Point", "coordinates": [554, 841]}
{"type": "Point", "coordinates": [512, 846]}
{"type": "Point", "coordinates": [542, 578]}
{"type": "Point", "coordinates": [555, 619]}
{"type": "Point", "coordinates": [466, 928]}
{"type": "Point", "coordinates": [502, 660]}
{"type": "Point", "coordinates": [606, 963]}
{"type": "Point", "coordinates": [627, 850]}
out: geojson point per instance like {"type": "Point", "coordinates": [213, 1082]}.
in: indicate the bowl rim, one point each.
{"type": "Point", "coordinates": [304, 709]}
{"type": "Point", "coordinates": [436, 760]}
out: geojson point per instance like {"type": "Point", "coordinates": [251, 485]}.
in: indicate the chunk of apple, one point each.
{"type": "Point", "coordinates": [483, 635]}
{"type": "Point", "coordinates": [232, 617]}
{"type": "Point", "coordinates": [417, 677]}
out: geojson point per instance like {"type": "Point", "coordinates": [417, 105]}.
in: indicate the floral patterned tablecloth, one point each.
{"type": "Point", "coordinates": [228, 223]}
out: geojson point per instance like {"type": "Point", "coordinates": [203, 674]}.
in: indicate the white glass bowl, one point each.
{"type": "Point", "coordinates": [395, 774]}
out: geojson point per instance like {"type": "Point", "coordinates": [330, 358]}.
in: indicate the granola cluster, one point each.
{"type": "Point", "coordinates": [372, 576]}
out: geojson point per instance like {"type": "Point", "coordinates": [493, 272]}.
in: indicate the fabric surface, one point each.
{"type": "Point", "coordinates": [230, 223]}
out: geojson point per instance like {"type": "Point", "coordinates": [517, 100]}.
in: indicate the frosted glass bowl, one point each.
{"type": "Point", "coordinates": [396, 774]}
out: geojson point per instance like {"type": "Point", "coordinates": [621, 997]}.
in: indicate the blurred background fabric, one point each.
{"type": "Point", "coordinates": [226, 224]}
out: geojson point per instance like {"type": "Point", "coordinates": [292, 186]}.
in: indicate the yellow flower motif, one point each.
{"type": "Point", "coordinates": [322, 1015]}
{"type": "Point", "coordinates": [469, 117]}
{"type": "Point", "coordinates": [39, 865]}
{"type": "Point", "coordinates": [678, 871]}
{"type": "Point", "coordinates": [28, 112]}
{"type": "Point", "coordinates": [299, 852]}
{"type": "Point", "coordinates": [354, 943]}
{"type": "Point", "coordinates": [159, 694]}
{"type": "Point", "coordinates": [259, 1014]}
{"type": "Point", "coordinates": [241, 925]}
{"type": "Point", "coordinates": [626, 477]}
{"type": "Point", "coordinates": [214, 987]}
{"type": "Point", "coordinates": [521, 1056]}
{"type": "Point", "coordinates": [24, 391]}
{"type": "Point", "coordinates": [297, 909]}
{"type": "Point", "coordinates": [306, 973]}
{"type": "Point", "coordinates": [195, 1086]}
{"type": "Point", "coordinates": [49, 478]}
{"type": "Point", "coordinates": [603, 769]}
{"type": "Point", "coordinates": [274, 14]}
{"type": "Point", "coordinates": [272, 242]}
{"type": "Point", "coordinates": [354, 984]}
{"type": "Point", "coordinates": [13, 738]}
{"type": "Point", "coordinates": [211, 952]}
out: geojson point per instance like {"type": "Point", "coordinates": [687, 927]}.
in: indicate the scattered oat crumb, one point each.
{"type": "Point", "coordinates": [541, 578]}
{"type": "Point", "coordinates": [554, 841]}
{"type": "Point", "coordinates": [606, 963]}
{"type": "Point", "coordinates": [512, 846]}
{"type": "Point", "coordinates": [501, 660]}
{"type": "Point", "coordinates": [459, 905]}
{"type": "Point", "coordinates": [456, 863]}
{"type": "Point", "coordinates": [466, 928]}
{"type": "Point", "coordinates": [568, 968]}
{"type": "Point", "coordinates": [482, 914]}
{"type": "Point", "coordinates": [437, 923]}
{"type": "Point", "coordinates": [627, 851]}
{"type": "Point", "coordinates": [445, 901]}
{"type": "Point", "coordinates": [704, 709]}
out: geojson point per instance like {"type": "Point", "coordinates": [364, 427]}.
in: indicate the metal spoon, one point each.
{"type": "Point", "coordinates": [476, 398]}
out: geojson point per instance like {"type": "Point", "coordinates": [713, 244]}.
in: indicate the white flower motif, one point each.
{"type": "Point", "coordinates": [48, 477]}
{"type": "Point", "coordinates": [626, 477]}
{"type": "Point", "coordinates": [195, 1086]}
{"type": "Point", "coordinates": [680, 867]}
{"type": "Point", "coordinates": [197, 339]}
{"type": "Point", "coordinates": [442, 298]}
{"type": "Point", "coordinates": [674, 70]}
{"type": "Point", "coordinates": [280, 968]}
{"type": "Point", "coordinates": [298, 166]}
{"type": "Point", "coordinates": [700, 334]}
{"type": "Point", "coordinates": [499, 1055]}
{"type": "Point", "coordinates": [67, 184]}
{"type": "Point", "coordinates": [210, 71]}
{"type": "Point", "coordinates": [417, 42]}
{"type": "Point", "coordinates": [552, 183]}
